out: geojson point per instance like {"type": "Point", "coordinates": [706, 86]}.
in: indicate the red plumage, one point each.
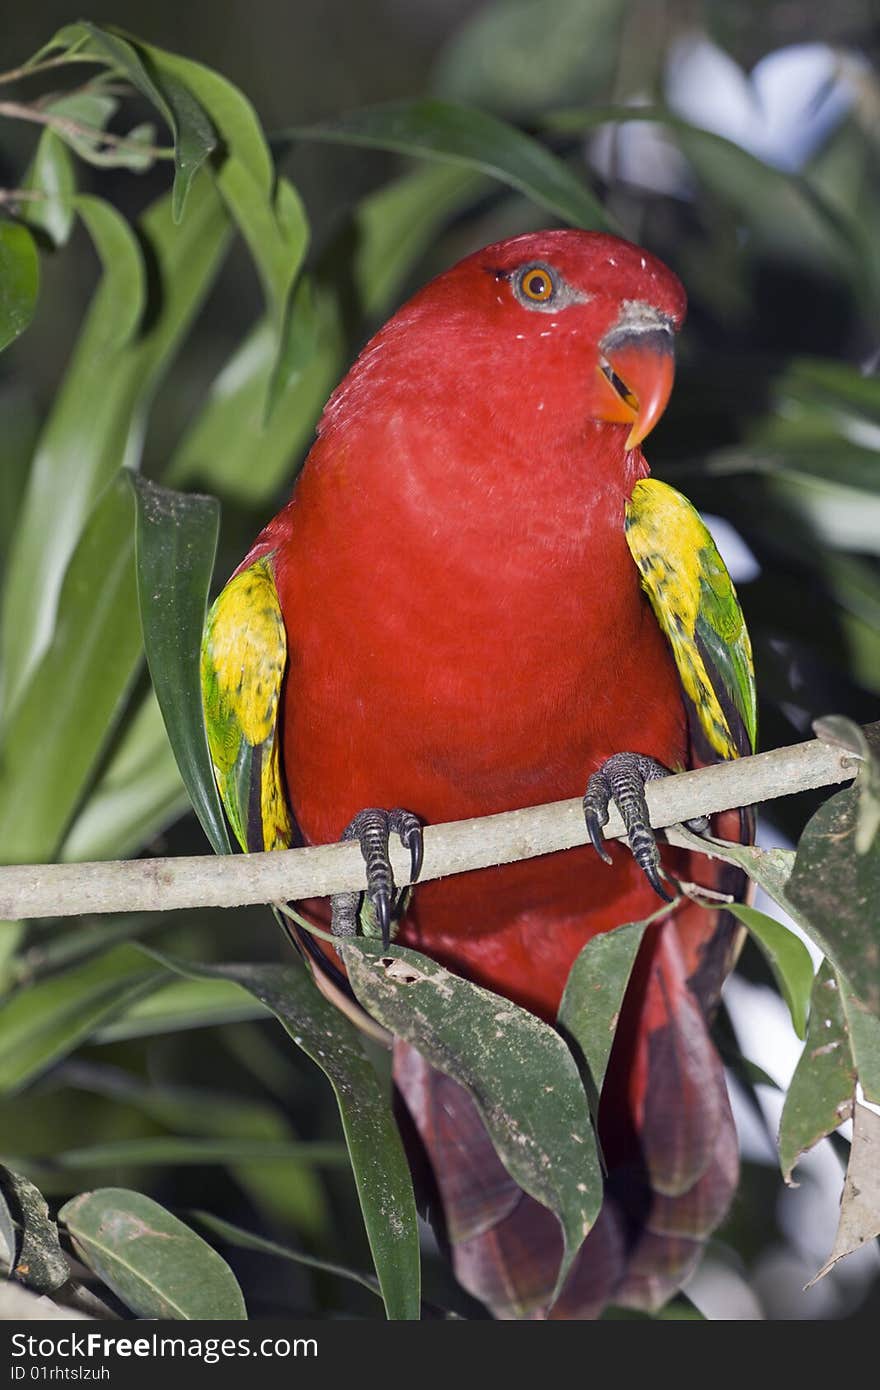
{"type": "Point", "coordinates": [467, 635]}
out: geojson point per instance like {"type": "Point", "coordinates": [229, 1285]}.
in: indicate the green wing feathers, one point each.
{"type": "Point", "coordinates": [244, 656]}
{"type": "Point", "coordinates": [695, 603]}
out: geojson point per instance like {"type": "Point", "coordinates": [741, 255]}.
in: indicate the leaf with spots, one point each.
{"type": "Point", "coordinates": [521, 1075]}
{"type": "Point", "coordinates": [836, 889]}
{"type": "Point", "coordinates": [36, 1257]}
{"type": "Point", "coordinates": [153, 1262]}
{"type": "Point", "coordinates": [820, 1096]}
{"type": "Point", "coordinates": [864, 1037]}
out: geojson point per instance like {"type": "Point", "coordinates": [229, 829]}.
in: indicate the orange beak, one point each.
{"type": "Point", "coordinates": [638, 369]}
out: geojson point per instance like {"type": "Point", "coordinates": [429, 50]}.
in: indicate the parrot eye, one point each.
{"type": "Point", "coordinates": [536, 284]}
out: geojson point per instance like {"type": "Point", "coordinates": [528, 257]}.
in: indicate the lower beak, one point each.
{"type": "Point", "coordinates": [639, 369]}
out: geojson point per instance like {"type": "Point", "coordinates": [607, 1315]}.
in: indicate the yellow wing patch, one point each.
{"type": "Point", "coordinates": [695, 603]}
{"type": "Point", "coordinates": [244, 656]}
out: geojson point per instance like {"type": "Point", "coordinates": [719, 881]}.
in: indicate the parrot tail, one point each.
{"type": "Point", "coordinates": [669, 1147]}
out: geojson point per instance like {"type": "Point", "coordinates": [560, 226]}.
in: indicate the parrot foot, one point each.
{"type": "Point", "coordinates": [622, 779]}
{"type": "Point", "coordinates": [372, 828]}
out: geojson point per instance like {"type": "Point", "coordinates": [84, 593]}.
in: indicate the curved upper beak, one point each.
{"type": "Point", "coordinates": [637, 361]}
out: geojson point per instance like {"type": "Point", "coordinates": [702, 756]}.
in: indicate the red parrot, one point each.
{"type": "Point", "coordinates": [475, 601]}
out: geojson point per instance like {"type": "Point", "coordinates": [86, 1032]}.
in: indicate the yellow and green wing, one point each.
{"type": "Point", "coordinates": [244, 656]}
{"type": "Point", "coordinates": [696, 605]}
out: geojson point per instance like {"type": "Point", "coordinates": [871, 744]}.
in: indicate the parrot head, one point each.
{"type": "Point", "coordinates": [582, 321]}
{"type": "Point", "coordinates": [537, 339]}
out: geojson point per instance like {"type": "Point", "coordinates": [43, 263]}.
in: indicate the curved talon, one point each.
{"type": "Point", "coordinates": [594, 827]}
{"type": "Point", "coordinates": [409, 830]}
{"type": "Point", "coordinates": [656, 883]}
{"type": "Point", "coordinates": [371, 828]}
{"type": "Point", "coordinates": [382, 908]}
{"type": "Point", "coordinates": [416, 854]}
{"type": "Point", "coordinates": [622, 779]}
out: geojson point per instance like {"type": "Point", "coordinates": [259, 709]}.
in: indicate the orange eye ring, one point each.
{"type": "Point", "coordinates": [536, 284]}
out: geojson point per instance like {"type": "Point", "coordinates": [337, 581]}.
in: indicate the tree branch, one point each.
{"type": "Point", "coordinates": [164, 885]}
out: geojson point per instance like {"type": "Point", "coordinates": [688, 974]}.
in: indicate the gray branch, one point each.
{"type": "Point", "coordinates": [164, 885]}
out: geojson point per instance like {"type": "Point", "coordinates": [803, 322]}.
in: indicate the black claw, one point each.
{"type": "Point", "coordinates": [371, 829]}
{"type": "Point", "coordinates": [622, 779]}
{"type": "Point", "coordinates": [656, 883]}
{"type": "Point", "coordinates": [417, 853]}
{"type": "Point", "coordinates": [596, 837]}
{"type": "Point", "coordinates": [382, 908]}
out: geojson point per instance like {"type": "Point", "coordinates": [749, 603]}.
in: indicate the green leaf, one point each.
{"type": "Point", "coordinates": [769, 868]}
{"type": "Point", "coordinates": [37, 1258]}
{"type": "Point", "coordinates": [66, 944]}
{"type": "Point", "coordinates": [137, 795]}
{"type": "Point", "coordinates": [785, 211]}
{"type": "Point", "coordinates": [864, 1039]}
{"type": "Point", "coordinates": [277, 243]}
{"type": "Point", "coordinates": [180, 1005]}
{"type": "Point", "coordinates": [836, 889]}
{"type": "Point", "coordinates": [43, 1023]}
{"type": "Point", "coordinates": [96, 422]}
{"type": "Point", "coordinates": [79, 451]}
{"type": "Point", "coordinates": [245, 1240]}
{"type": "Point", "coordinates": [290, 1194]}
{"type": "Point", "coordinates": [379, 1164]}
{"type": "Point", "coordinates": [18, 431]}
{"type": "Point", "coordinates": [395, 226]}
{"type": "Point", "coordinates": [19, 280]}
{"type": "Point", "coordinates": [787, 957]}
{"type": "Point", "coordinates": [176, 544]}
{"type": "Point", "coordinates": [593, 996]}
{"type": "Point", "coordinates": [94, 109]}
{"type": "Point", "coordinates": [272, 219]}
{"type": "Point", "coordinates": [184, 1150]}
{"type": "Point", "coordinates": [55, 736]}
{"type": "Point", "coordinates": [153, 1262]}
{"type": "Point", "coordinates": [844, 733]}
{"type": "Point", "coordinates": [51, 173]}
{"type": "Point", "coordinates": [519, 1071]}
{"type": "Point", "coordinates": [460, 135]}
{"type": "Point", "coordinates": [232, 114]}
{"type": "Point", "coordinates": [820, 1096]}
{"type": "Point", "coordinates": [194, 137]}
{"type": "Point", "coordinates": [234, 445]}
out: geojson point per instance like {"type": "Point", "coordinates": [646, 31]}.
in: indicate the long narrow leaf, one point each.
{"type": "Point", "coordinates": [138, 794]}
{"type": "Point", "coordinates": [176, 543]}
{"type": "Point", "coordinates": [95, 424]}
{"type": "Point", "coordinates": [56, 735]}
{"type": "Point", "coordinates": [441, 130]}
{"type": "Point", "coordinates": [377, 1157]}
